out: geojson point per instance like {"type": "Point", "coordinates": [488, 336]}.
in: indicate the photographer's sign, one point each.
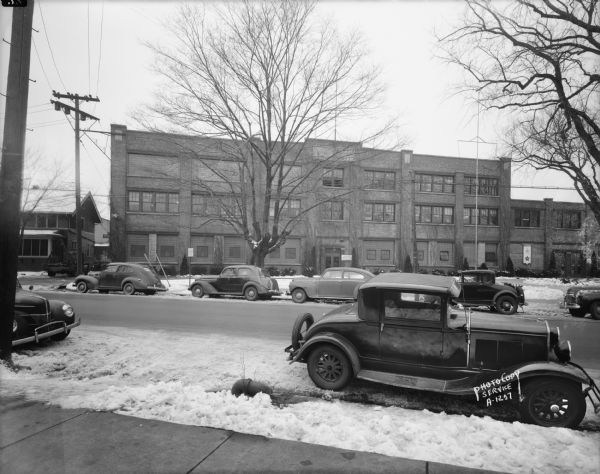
{"type": "Point", "coordinates": [505, 388]}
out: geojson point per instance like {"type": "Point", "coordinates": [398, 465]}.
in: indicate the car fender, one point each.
{"type": "Point", "coordinates": [137, 282]}
{"type": "Point", "coordinates": [259, 287]}
{"type": "Point", "coordinates": [206, 286]}
{"type": "Point", "coordinates": [309, 287]}
{"type": "Point", "coordinates": [505, 293]}
{"type": "Point", "coordinates": [92, 282]}
{"type": "Point", "coordinates": [586, 299]}
{"type": "Point", "coordinates": [548, 369]}
{"type": "Point", "coordinates": [334, 339]}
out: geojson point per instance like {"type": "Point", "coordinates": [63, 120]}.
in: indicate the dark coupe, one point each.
{"type": "Point", "coordinates": [404, 331]}
{"type": "Point", "coordinates": [336, 283]}
{"type": "Point", "coordinates": [479, 288]}
{"type": "Point", "coordinates": [37, 318]}
{"type": "Point", "coordinates": [122, 276]}
{"type": "Point", "coordinates": [237, 280]}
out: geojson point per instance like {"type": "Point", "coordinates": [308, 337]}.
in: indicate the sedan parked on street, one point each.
{"type": "Point", "coordinates": [120, 276]}
{"type": "Point", "coordinates": [37, 318]}
{"type": "Point", "coordinates": [336, 283]}
{"type": "Point", "coordinates": [237, 280]}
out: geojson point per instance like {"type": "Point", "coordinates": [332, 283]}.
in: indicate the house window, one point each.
{"type": "Point", "coordinates": [202, 251]}
{"type": "Point", "coordinates": [332, 211]}
{"type": "Point", "coordinates": [137, 251]}
{"type": "Point", "coordinates": [379, 212]}
{"type": "Point", "coordinates": [204, 205]}
{"type": "Point", "coordinates": [426, 183]}
{"type": "Point", "coordinates": [487, 186]}
{"type": "Point", "coordinates": [133, 203]}
{"type": "Point", "coordinates": [276, 253]}
{"type": "Point", "coordinates": [567, 219]}
{"type": "Point", "coordinates": [380, 179]}
{"type": "Point", "coordinates": [384, 254]}
{"type": "Point", "coordinates": [527, 218]}
{"type": "Point", "coordinates": [334, 178]}
{"type": "Point", "coordinates": [235, 252]}
{"type": "Point", "coordinates": [289, 209]}
{"type": "Point", "coordinates": [290, 253]}
{"type": "Point", "coordinates": [444, 256]}
{"type": "Point", "coordinates": [34, 248]}
{"type": "Point", "coordinates": [52, 221]}
{"type": "Point", "coordinates": [166, 251]}
{"type": "Point", "coordinates": [434, 215]}
{"type": "Point", "coordinates": [487, 216]}
{"type": "Point", "coordinates": [371, 254]}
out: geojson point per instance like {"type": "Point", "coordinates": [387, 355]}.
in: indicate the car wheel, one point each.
{"type": "Point", "coordinates": [506, 305]}
{"type": "Point", "coordinates": [82, 287]}
{"type": "Point", "coordinates": [298, 295]}
{"type": "Point", "coordinates": [577, 313]}
{"type": "Point", "coordinates": [61, 336]}
{"type": "Point", "coordinates": [552, 402]}
{"type": "Point", "coordinates": [301, 325]}
{"type": "Point", "coordinates": [128, 288]}
{"type": "Point", "coordinates": [51, 274]}
{"type": "Point", "coordinates": [197, 291]}
{"type": "Point", "coordinates": [250, 293]}
{"type": "Point", "coordinates": [595, 310]}
{"type": "Point", "coordinates": [329, 368]}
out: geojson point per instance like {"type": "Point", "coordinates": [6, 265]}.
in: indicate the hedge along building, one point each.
{"type": "Point", "coordinates": [383, 208]}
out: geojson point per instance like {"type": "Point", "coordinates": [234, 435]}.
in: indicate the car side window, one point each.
{"type": "Point", "coordinates": [487, 279]}
{"type": "Point", "coordinates": [228, 272]}
{"type": "Point", "coordinates": [124, 269]}
{"type": "Point", "coordinates": [332, 274]}
{"type": "Point", "coordinates": [413, 306]}
{"type": "Point", "coordinates": [111, 269]}
{"type": "Point", "coordinates": [353, 276]}
{"type": "Point", "coordinates": [244, 272]}
{"type": "Point", "coordinates": [469, 279]}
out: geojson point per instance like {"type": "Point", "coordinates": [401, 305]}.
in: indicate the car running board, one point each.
{"type": "Point", "coordinates": [462, 386]}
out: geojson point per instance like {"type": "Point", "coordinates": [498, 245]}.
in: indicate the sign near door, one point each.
{"type": "Point", "coordinates": [527, 254]}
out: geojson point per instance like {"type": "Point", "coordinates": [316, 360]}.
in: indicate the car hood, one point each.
{"type": "Point", "coordinates": [29, 302]}
{"type": "Point", "coordinates": [504, 323]}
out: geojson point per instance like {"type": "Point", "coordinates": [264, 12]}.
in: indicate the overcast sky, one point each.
{"type": "Point", "coordinates": [96, 48]}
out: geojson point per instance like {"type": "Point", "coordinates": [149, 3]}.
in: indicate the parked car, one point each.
{"type": "Point", "coordinates": [122, 276]}
{"type": "Point", "coordinates": [479, 288]}
{"type": "Point", "coordinates": [404, 331]}
{"type": "Point", "coordinates": [336, 283]}
{"type": "Point", "coordinates": [37, 318]}
{"type": "Point", "coordinates": [237, 280]}
{"type": "Point", "coordinates": [582, 299]}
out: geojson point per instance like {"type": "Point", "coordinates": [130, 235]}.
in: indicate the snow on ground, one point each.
{"type": "Point", "coordinates": [187, 379]}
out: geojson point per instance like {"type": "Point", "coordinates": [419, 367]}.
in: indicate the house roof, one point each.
{"type": "Point", "coordinates": [57, 202]}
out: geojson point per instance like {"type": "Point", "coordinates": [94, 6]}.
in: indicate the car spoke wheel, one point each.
{"type": "Point", "coordinates": [197, 291]}
{"type": "Point", "coordinates": [82, 287]}
{"type": "Point", "coordinates": [301, 325]}
{"type": "Point", "coordinates": [506, 305]}
{"type": "Point", "coordinates": [577, 313]}
{"type": "Point", "coordinates": [128, 289]}
{"type": "Point", "coordinates": [250, 293]}
{"type": "Point", "coordinates": [556, 403]}
{"type": "Point", "coordinates": [595, 310]}
{"type": "Point", "coordinates": [298, 295]}
{"type": "Point", "coordinates": [329, 368]}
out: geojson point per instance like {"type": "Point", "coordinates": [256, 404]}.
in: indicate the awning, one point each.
{"type": "Point", "coordinates": [41, 233]}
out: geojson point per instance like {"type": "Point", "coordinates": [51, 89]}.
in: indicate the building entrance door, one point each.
{"type": "Point", "coordinates": [333, 257]}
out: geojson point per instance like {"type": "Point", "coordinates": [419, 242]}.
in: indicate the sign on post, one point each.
{"type": "Point", "coordinates": [190, 251]}
{"type": "Point", "coordinates": [346, 257]}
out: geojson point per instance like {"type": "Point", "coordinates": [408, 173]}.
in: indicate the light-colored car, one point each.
{"type": "Point", "coordinates": [336, 283]}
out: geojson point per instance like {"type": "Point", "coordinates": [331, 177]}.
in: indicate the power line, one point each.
{"type": "Point", "coordinates": [49, 46]}
{"type": "Point", "coordinates": [100, 49]}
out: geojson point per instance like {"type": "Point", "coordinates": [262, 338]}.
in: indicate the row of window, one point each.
{"type": "Point", "coordinates": [223, 206]}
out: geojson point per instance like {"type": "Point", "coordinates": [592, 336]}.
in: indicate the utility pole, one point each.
{"type": "Point", "coordinates": [83, 116]}
{"type": "Point", "coordinates": [11, 171]}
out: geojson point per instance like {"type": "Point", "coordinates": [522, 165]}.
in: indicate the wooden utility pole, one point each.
{"type": "Point", "coordinates": [11, 169]}
{"type": "Point", "coordinates": [83, 116]}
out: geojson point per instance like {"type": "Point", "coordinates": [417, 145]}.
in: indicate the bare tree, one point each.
{"type": "Point", "coordinates": [539, 61]}
{"type": "Point", "coordinates": [262, 77]}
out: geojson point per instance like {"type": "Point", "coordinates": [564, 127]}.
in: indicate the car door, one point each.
{"type": "Point", "coordinates": [106, 280]}
{"type": "Point", "coordinates": [244, 274]}
{"type": "Point", "coordinates": [350, 280]}
{"type": "Point", "coordinates": [224, 283]}
{"type": "Point", "coordinates": [411, 337]}
{"type": "Point", "coordinates": [330, 284]}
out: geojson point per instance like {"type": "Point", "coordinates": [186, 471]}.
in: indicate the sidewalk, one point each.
{"type": "Point", "coordinates": [39, 438]}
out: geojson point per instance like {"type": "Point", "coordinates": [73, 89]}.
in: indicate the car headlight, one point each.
{"type": "Point", "coordinates": [563, 351]}
{"type": "Point", "coordinates": [68, 310]}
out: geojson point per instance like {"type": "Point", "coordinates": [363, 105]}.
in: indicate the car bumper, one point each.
{"type": "Point", "coordinates": [59, 328]}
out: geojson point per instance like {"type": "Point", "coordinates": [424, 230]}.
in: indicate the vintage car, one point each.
{"type": "Point", "coordinates": [336, 283]}
{"type": "Point", "coordinates": [479, 288]}
{"type": "Point", "coordinates": [122, 276]}
{"type": "Point", "coordinates": [237, 280]}
{"type": "Point", "coordinates": [37, 318]}
{"type": "Point", "coordinates": [583, 299]}
{"type": "Point", "coordinates": [403, 330]}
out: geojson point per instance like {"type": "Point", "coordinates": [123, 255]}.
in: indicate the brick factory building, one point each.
{"type": "Point", "coordinates": [396, 204]}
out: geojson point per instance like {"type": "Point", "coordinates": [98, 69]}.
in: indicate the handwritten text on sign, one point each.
{"type": "Point", "coordinates": [499, 389]}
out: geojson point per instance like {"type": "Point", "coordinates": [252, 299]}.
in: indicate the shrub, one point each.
{"type": "Point", "coordinates": [465, 265]}
{"type": "Point", "coordinates": [408, 268]}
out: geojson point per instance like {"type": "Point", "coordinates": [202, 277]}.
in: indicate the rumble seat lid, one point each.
{"type": "Point", "coordinates": [414, 281]}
